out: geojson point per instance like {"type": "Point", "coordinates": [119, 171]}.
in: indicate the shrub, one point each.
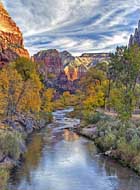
{"type": "Point", "coordinates": [10, 143]}
{"type": "Point", "coordinates": [4, 174]}
{"type": "Point", "coordinates": [92, 117]}
{"type": "Point", "coordinates": [126, 150]}
{"type": "Point", "coordinates": [110, 141]}
{"type": "Point", "coordinates": [135, 142]}
{"type": "Point", "coordinates": [130, 133]}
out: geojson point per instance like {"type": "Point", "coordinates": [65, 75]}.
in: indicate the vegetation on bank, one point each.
{"type": "Point", "coordinates": [4, 175]}
{"type": "Point", "coordinates": [26, 104]}
{"type": "Point", "coordinates": [115, 88]}
{"type": "Point", "coordinates": [117, 139]}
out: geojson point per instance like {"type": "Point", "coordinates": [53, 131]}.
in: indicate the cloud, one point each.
{"type": "Point", "coordinates": [77, 25]}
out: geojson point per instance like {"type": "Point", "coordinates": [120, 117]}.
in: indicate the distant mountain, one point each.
{"type": "Point", "coordinates": [74, 67]}
{"type": "Point", "coordinates": [11, 40]}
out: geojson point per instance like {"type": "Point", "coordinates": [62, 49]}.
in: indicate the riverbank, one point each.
{"type": "Point", "coordinates": [57, 158]}
{"type": "Point", "coordinates": [13, 140]}
{"type": "Point", "coordinates": [118, 140]}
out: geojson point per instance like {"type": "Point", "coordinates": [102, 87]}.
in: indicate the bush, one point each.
{"type": "Point", "coordinates": [127, 151]}
{"type": "Point", "coordinates": [110, 141]}
{"type": "Point", "coordinates": [10, 143]}
{"type": "Point", "coordinates": [92, 117]}
{"type": "Point", "coordinates": [135, 142]}
{"type": "Point", "coordinates": [133, 136]}
{"type": "Point", "coordinates": [4, 175]}
{"type": "Point", "coordinates": [107, 142]}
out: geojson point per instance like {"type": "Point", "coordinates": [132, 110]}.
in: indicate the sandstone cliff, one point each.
{"type": "Point", "coordinates": [78, 67]}
{"type": "Point", "coordinates": [74, 67]}
{"type": "Point", "coordinates": [11, 40]}
{"type": "Point", "coordinates": [52, 60]}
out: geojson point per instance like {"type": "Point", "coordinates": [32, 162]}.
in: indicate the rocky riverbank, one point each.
{"type": "Point", "coordinates": [13, 137]}
{"type": "Point", "coordinates": [118, 140]}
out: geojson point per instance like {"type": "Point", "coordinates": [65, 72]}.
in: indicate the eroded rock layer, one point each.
{"type": "Point", "coordinates": [11, 40]}
{"type": "Point", "coordinates": [74, 67]}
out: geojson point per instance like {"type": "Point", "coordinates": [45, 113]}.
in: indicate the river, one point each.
{"type": "Point", "coordinates": [58, 159]}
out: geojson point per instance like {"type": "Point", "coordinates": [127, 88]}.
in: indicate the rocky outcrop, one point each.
{"type": "Point", "coordinates": [11, 40]}
{"type": "Point", "coordinates": [135, 39]}
{"type": "Point", "coordinates": [71, 72]}
{"type": "Point", "coordinates": [52, 60]}
{"type": "Point", "coordinates": [96, 57]}
{"type": "Point", "coordinates": [66, 58]}
{"type": "Point", "coordinates": [52, 64]}
{"type": "Point", "coordinates": [78, 67]}
{"type": "Point", "coordinates": [6, 56]}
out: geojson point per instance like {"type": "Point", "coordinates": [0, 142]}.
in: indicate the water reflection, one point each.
{"type": "Point", "coordinates": [31, 162]}
{"type": "Point", "coordinates": [61, 160]}
{"type": "Point", "coordinates": [70, 136]}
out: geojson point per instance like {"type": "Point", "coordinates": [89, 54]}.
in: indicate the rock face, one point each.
{"type": "Point", "coordinates": [11, 40]}
{"type": "Point", "coordinates": [66, 58]}
{"type": "Point", "coordinates": [96, 57]}
{"type": "Point", "coordinates": [135, 39]}
{"type": "Point", "coordinates": [52, 60]}
{"type": "Point", "coordinates": [74, 67]}
{"type": "Point", "coordinates": [78, 67]}
{"type": "Point", "coordinates": [61, 70]}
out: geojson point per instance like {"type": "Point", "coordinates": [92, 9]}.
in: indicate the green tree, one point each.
{"type": "Point", "coordinates": [125, 68]}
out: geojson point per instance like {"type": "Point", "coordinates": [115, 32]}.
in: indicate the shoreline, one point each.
{"type": "Point", "coordinates": [7, 163]}
{"type": "Point", "coordinates": [108, 153]}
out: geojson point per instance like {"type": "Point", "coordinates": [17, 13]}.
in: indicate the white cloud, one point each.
{"type": "Point", "coordinates": [76, 25]}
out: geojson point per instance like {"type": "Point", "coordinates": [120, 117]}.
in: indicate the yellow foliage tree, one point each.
{"type": "Point", "coordinates": [10, 88]}
{"type": "Point", "coordinates": [47, 100]}
{"type": "Point", "coordinates": [94, 99]}
{"type": "Point", "coordinates": [20, 88]}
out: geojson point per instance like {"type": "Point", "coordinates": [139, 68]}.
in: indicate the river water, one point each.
{"type": "Point", "coordinates": [58, 159]}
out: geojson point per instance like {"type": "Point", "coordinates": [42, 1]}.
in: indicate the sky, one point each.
{"type": "Point", "coordinates": [77, 26]}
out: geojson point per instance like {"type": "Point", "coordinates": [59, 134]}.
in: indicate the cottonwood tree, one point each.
{"type": "Point", "coordinates": [125, 68]}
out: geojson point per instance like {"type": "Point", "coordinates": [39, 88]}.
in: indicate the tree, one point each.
{"type": "Point", "coordinates": [10, 88]}
{"type": "Point", "coordinates": [94, 87]}
{"type": "Point", "coordinates": [20, 88]}
{"type": "Point", "coordinates": [29, 98]}
{"type": "Point", "coordinates": [125, 69]}
{"type": "Point", "coordinates": [47, 96]}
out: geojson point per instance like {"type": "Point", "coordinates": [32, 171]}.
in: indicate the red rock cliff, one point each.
{"type": "Point", "coordinates": [11, 39]}
{"type": "Point", "coordinates": [52, 60]}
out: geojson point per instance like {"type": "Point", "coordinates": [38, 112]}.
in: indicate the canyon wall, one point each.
{"type": "Point", "coordinates": [74, 67]}
{"type": "Point", "coordinates": [11, 40]}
